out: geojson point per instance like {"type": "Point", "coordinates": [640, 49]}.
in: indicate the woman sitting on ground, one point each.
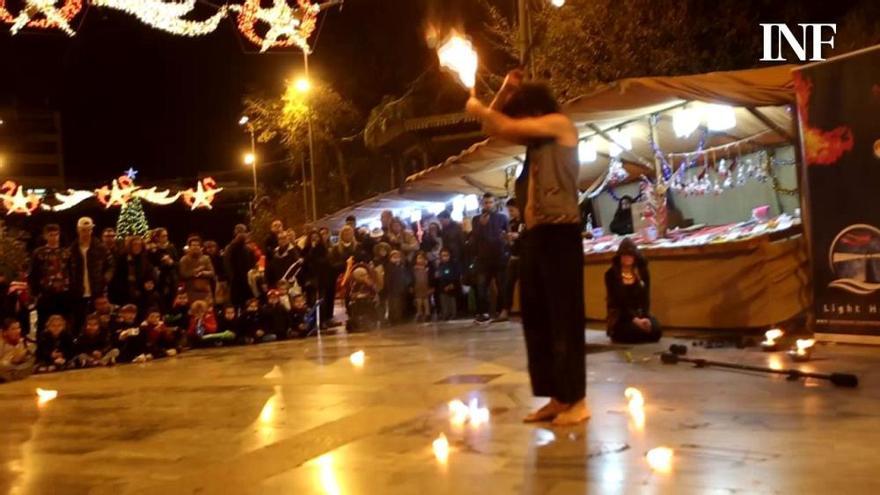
{"type": "Point", "coordinates": [628, 284]}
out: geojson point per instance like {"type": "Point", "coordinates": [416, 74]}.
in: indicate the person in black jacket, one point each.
{"type": "Point", "coordinates": [89, 271]}
{"type": "Point", "coordinates": [452, 236]}
{"type": "Point", "coordinates": [93, 346]}
{"type": "Point", "coordinates": [628, 285]}
{"type": "Point", "coordinates": [132, 271]}
{"type": "Point", "coordinates": [55, 346]}
{"type": "Point", "coordinates": [448, 282]}
{"type": "Point", "coordinates": [398, 283]}
{"type": "Point", "coordinates": [490, 253]}
{"type": "Point", "coordinates": [622, 223]}
{"type": "Point", "coordinates": [276, 318]}
{"type": "Point", "coordinates": [239, 260]}
{"type": "Point", "coordinates": [285, 255]}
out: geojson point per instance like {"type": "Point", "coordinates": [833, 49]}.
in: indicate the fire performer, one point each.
{"type": "Point", "coordinates": [551, 272]}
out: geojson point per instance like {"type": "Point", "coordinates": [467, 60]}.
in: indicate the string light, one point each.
{"type": "Point", "coordinates": [15, 201]}
{"type": "Point", "coordinates": [685, 121]}
{"type": "Point", "coordinates": [47, 14]}
{"type": "Point", "coordinates": [168, 16]}
{"type": "Point", "coordinates": [720, 117]}
{"type": "Point", "coordinates": [286, 26]}
{"type": "Point", "coordinates": [621, 139]}
{"type": "Point", "coordinates": [203, 195]}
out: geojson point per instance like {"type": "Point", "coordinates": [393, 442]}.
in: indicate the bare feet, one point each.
{"type": "Point", "coordinates": [576, 414]}
{"type": "Point", "coordinates": [546, 413]}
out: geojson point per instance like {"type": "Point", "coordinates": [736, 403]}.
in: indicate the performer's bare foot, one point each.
{"type": "Point", "coordinates": [546, 413]}
{"type": "Point", "coordinates": [576, 414]}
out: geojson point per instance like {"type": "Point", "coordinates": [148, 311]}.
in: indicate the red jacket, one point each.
{"type": "Point", "coordinates": [208, 325]}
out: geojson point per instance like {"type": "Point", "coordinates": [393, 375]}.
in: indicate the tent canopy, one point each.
{"type": "Point", "coordinates": [761, 99]}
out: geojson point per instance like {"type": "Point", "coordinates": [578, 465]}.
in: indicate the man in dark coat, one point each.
{"type": "Point", "coordinates": [238, 260]}
{"type": "Point", "coordinates": [89, 271]}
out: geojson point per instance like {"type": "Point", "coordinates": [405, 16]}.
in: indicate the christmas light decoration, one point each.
{"type": "Point", "coordinates": [685, 121]}
{"type": "Point", "coordinates": [168, 16]}
{"type": "Point", "coordinates": [15, 201]}
{"type": "Point", "coordinates": [118, 194]}
{"type": "Point", "coordinates": [720, 117]}
{"type": "Point", "coordinates": [158, 197]}
{"type": "Point", "coordinates": [621, 139]}
{"type": "Point", "coordinates": [131, 173]}
{"type": "Point", "coordinates": [132, 220]}
{"type": "Point", "coordinates": [42, 14]}
{"type": "Point", "coordinates": [287, 26]}
{"type": "Point", "coordinates": [203, 195]}
{"type": "Point", "coordinates": [70, 199]}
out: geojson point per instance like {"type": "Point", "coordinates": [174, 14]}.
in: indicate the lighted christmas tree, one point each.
{"type": "Point", "coordinates": [132, 220]}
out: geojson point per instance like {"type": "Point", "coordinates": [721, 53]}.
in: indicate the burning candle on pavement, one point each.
{"type": "Point", "coordinates": [770, 338]}
{"type": "Point", "coordinates": [441, 449]}
{"type": "Point", "coordinates": [357, 359]}
{"type": "Point", "coordinates": [803, 350]}
{"type": "Point", "coordinates": [44, 396]}
{"type": "Point", "coordinates": [457, 54]}
{"type": "Point", "coordinates": [636, 405]}
{"type": "Point", "coordinates": [660, 459]}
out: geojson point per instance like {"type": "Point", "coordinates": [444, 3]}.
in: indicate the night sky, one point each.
{"type": "Point", "coordinates": [131, 95]}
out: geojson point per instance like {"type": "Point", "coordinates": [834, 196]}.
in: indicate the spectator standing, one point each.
{"type": "Point", "coordinates": [197, 272]}
{"type": "Point", "coordinates": [286, 254]}
{"type": "Point", "coordinates": [89, 270]}
{"type": "Point", "coordinates": [489, 237]}
{"type": "Point", "coordinates": [452, 237]}
{"type": "Point", "coordinates": [49, 277]}
{"type": "Point", "coordinates": [133, 271]}
{"type": "Point", "coordinates": [514, 229]}
{"type": "Point", "coordinates": [238, 261]}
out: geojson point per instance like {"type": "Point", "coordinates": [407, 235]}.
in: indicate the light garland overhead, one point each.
{"type": "Point", "coordinates": [15, 201]}
{"type": "Point", "coordinates": [168, 16]}
{"type": "Point", "coordinates": [283, 24]}
{"type": "Point", "coordinates": [203, 195]}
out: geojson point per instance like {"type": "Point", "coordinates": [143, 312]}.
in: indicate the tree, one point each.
{"type": "Point", "coordinates": [132, 220]}
{"type": "Point", "coordinates": [286, 118]}
{"type": "Point", "coordinates": [13, 254]}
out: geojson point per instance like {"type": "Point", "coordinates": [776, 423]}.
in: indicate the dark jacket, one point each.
{"type": "Point", "coordinates": [48, 343]}
{"type": "Point", "coordinates": [453, 240]}
{"type": "Point", "coordinates": [251, 322]}
{"type": "Point", "coordinates": [625, 302]}
{"type": "Point", "coordinates": [87, 344]}
{"type": "Point", "coordinates": [398, 280]}
{"type": "Point", "coordinates": [490, 240]}
{"type": "Point", "coordinates": [276, 319]}
{"type": "Point", "coordinates": [238, 260]}
{"type": "Point", "coordinates": [129, 276]}
{"type": "Point", "coordinates": [233, 325]}
{"type": "Point", "coordinates": [98, 271]}
{"type": "Point", "coordinates": [448, 274]}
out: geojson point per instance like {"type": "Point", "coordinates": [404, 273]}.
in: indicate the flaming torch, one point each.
{"type": "Point", "coordinates": [770, 338]}
{"type": "Point", "coordinates": [457, 54]}
{"type": "Point", "coordinates": [803, 350]}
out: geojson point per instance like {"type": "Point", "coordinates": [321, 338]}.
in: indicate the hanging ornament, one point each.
{"type": "Point", "coordinates": [42, 14]}
{"type": "Point", "coordinates": [286, 25]}
{"type": "Point", "coordinates": [69, 199]}
{"type": "Point", "coordinates": [15, 201]}
{"type": "Point", "coordinates": [168, 16]}
{"type": "Point", "coordinates": [118, 194]}
{"type": "Point", "coordinates": [203, 195]}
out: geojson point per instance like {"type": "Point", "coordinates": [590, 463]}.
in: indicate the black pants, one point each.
{"type": "Point", "coordinates": [510, 280]}
{"type": "Point", "coordinates": [626, 332]}
{"type": "Point", "coordinates": [552, 299]}
{"type": "Point", "coordinates": [328, 296]}
{"type": "Point", "coordinates": [489, 271]}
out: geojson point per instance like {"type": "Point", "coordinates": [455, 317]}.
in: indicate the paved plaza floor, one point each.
{"type": "Point", "coordinates": [306, 417]}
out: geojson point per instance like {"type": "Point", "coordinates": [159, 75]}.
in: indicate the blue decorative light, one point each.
{"type": "Point", "coordinates": [131, 173]}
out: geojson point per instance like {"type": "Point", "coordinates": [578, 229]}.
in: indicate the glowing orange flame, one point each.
{"type": "Point", "coordinates": [457, 54]}
{"type": "Point", "coordinates": [636, 405]}
{"type": "Point", "coordinates": [660, 459]}
{"type": "Point", "coordinates": [772, 335]}
{"type": "Point", "coordinates": [441, 449]}
{"type": "Point", "coordinates": [804, 346]}
{"type": "Point", "coordinates": [461, 413]}
{"type": "Point", "coordinates": [44, 396]}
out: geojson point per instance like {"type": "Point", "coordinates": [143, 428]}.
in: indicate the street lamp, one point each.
{"type": "Point", "coordinates": [557, 3]}
{"type": "Point", "coordinates": [303, 85]}
{"type": "Point", "coordinates": [250, 159]}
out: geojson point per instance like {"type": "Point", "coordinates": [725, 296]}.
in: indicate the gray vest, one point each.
{"type": "Point", "coordinates": [549, 184]}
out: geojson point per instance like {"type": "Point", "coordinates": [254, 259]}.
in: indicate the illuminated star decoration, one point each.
{"type": "Point", "coordinates": [43, 14]}
{"type": "Point", "coordinates": [15, 201]}
{"type": "Point", "coordinates": [131, 173]}
{"type": "Point", "coordinates": [168, 16]}
{"type": "Point", "coordinates": [203, 196]}
{"type": "Point", "coordinates": [287, 26]}
{"type": "Point", "coordinates": [118, 194]}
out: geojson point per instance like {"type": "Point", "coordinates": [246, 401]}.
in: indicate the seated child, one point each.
{"type": "Point", "coordinates": [178, 315]}
{"type": "Point", "coordinates": [252, 330]}
{"type": "Point", "coordinates": [93, 347]}
{"type": "Point", "coordinates": [150, 297]}
{"type": "Point", "coordinates": [106, 313]}
{"type": "Point", "coordinates": [16, 353]}
{"type": "Point", "coordinates": [159, 339]}
{"type": "Point", "coordinates": [276, 318]}
{"type": "Point", "coordinates": [448, 283]}
{"type": "Point", "coordinates": [302, 318]}
{"type": "Point", "coordinates": [202, 323]}
{"type": "Point", "coordinates": [284, 294]}
{"type": "Point", "coordinates": [229, 322]}
{"type": "Point", "coordinates": [360, 296]}
{"type": "Point", "coordinates": [128, 338]}
{"type": "Point", "coordinates": [55, 347]}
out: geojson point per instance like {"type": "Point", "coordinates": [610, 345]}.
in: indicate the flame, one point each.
{"type": "Point", "coordinates": [357, 359]}
{"type": "Point", "coordinates": [327, 474]}
{"type": "Point", "coordinates": [636, 405]}
{"type": "Point", "coordinates": [457, 54]}
{"type": "Point", "coordinates": [771, 336]}
{"type": "Point", "coordinates": [44, 396]}
{"type": "Point", "coordinates": [775, 362]}
{"type": "Point", "coordinates": [461, 413]}
{"type": "Point", "coordinates": [804, 346]}
{"type": "Point", "coordinates": [441, 449]}
{"type": "Point", "coordinates": [660, 459]}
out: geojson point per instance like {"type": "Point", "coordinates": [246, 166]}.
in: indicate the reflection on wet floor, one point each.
{"type": "Point", "coordinates": [438, 409]}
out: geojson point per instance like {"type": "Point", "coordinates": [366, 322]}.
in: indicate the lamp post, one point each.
{"type": "Point", "coordinates": [304, 86]}
{"type": "Point", "coordinates": [250, 159]}
{"type": "Point", "coordinates": [525, 33]}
